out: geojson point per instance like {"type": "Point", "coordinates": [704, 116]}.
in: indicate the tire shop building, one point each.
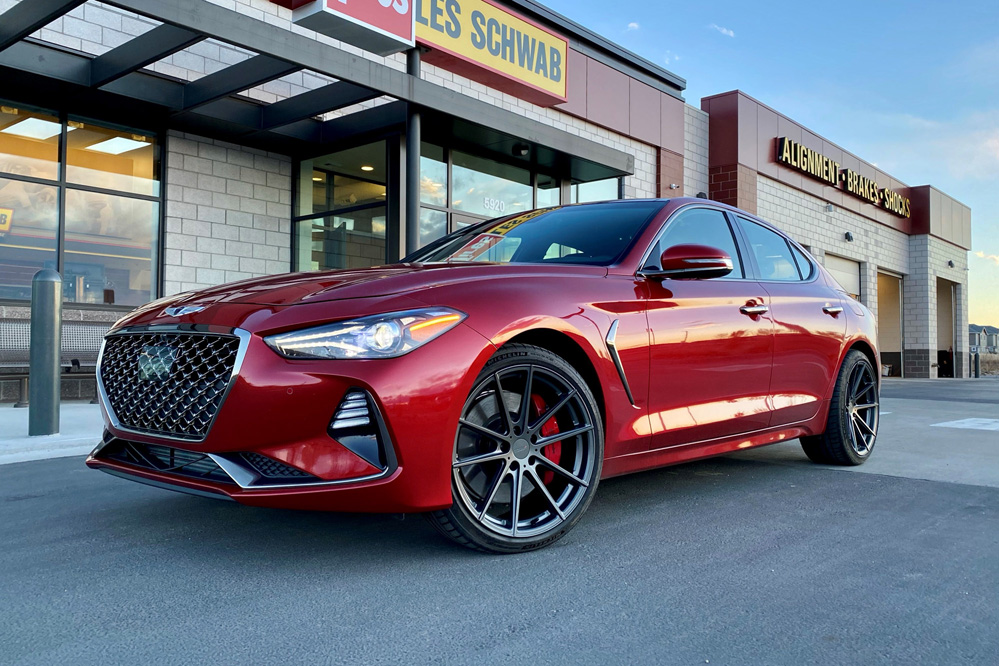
{"type": "Point", "coordinates": [149, 147]}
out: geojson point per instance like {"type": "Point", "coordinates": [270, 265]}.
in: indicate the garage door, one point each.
{"type": "Point", "coordinates": [846, 272]}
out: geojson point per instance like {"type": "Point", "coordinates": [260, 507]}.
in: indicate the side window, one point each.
{"type": "Point", "coordinates": [772, 252]}
{"type": "Point", "coordinates": [804, 263]}
{"type": "Point", "coordinates": [700, 226]}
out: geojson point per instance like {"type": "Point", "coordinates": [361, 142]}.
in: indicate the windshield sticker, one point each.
{"type": "Point", "coordinates": [477, 247]}
{"type": "Point", "coordinates": [514, 222]}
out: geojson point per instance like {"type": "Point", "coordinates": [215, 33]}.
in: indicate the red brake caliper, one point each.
{"type": "Point", "coordinates": [553, 451]}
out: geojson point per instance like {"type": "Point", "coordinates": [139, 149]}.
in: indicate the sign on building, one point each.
{"type": "Point", "coordinates": [379, 26]}
{"type": "Point", "coordinates": [486, 42]}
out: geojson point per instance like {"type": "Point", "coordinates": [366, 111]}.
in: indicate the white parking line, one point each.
{"type": "Point", "coordinates": [971, 424]}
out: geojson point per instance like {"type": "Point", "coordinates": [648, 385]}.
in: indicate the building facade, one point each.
{"type": "Point", "coordinates": [150, 147]}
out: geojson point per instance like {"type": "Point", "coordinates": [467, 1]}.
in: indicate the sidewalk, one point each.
{"type": "Point", "coordinates": [80, 427]}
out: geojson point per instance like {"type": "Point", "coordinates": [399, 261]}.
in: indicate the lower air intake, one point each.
{"type": "Point", "coordinates": [273, 469]}
{"type": "Point", "coordinates": [165, 459]}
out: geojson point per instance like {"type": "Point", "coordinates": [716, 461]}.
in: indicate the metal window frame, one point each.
{"type": "Point", "coordinates": [63, 185]}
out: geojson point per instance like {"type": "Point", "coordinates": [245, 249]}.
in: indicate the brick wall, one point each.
{"type": "Point", "coordinates": [228, 213]}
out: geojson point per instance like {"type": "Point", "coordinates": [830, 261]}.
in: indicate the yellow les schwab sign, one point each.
{"type": "Point", "coordinates": [489, 44]}
{"type": "Point", "coordinates": [6, 218]}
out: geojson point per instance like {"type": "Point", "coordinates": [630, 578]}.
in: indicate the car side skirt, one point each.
{"type": "Point", "coordinates": [674, 455]}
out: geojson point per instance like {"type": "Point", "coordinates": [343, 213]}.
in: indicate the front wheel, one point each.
{"type": "Point", "coordinates": [527, 457]}
{"type": "Point", "coordinates": [852, 428]}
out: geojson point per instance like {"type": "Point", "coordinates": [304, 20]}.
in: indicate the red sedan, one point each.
{"type": "Point", "coordinates": [494, 378]}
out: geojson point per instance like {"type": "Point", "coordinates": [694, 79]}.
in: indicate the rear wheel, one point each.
{"type": "Point", "coordinates": [527, 454]}
{"type": "Point", "coordinates": [852, 428]}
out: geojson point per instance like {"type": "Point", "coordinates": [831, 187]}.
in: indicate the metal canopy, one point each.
{"type": "Point", "coordinates": [116, 85]}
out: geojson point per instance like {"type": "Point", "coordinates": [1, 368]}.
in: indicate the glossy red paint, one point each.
{"type": "Point", "coordinates": [706, 375]}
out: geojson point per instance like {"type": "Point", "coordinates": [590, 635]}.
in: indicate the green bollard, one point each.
{"type": "Point", "coordinates": [46, 334]}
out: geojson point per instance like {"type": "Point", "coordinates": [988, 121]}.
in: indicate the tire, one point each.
{"type": "Point", "coordinates": [530, 423]}
{"type": "Point", "coordinates": [852, 428]}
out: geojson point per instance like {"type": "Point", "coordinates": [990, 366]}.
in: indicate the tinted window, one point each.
{"type": "Point", "coordinates": [773, 255]}
{"type": "Point", "coordinates": [700, 226]}
{"type": "Point", "coordinates": [804, 265]}
{"type": "Point", "coordinates": [593, 234]}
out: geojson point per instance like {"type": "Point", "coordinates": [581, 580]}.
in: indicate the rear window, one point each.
{"type": "Point", "coordinates": [594, 234]}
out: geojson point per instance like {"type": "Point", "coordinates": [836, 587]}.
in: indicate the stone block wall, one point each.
{"type": "Point", "coordinates": [695, 152]}
{"type": "Point", "coordinates": [228, 213]}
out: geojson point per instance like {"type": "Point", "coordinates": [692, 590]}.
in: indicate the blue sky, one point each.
{"type": "Point", "coordinates": [911, 87]}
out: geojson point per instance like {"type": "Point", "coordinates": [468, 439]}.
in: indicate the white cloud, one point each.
{"type": "Point", "coordinates": [670, 57]}
{"type": "Point", "coordinates": [633, 26]}
{"type": "Point", "coordinates": [994, 258]}
{"type": "Point", "coordinates": [724, 31]}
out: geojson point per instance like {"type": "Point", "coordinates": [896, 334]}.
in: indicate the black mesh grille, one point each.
{"type": "Point", "coordinates": [169, 383]}
{"type": "Point", "coordinates": [165, 459]}
{"type": "Point", "coordinates": [273, 469]}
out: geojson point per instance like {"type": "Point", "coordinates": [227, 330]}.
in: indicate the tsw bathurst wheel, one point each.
{"type": "Point", "coordinates": [852, 428]}
{"type": "Point", "coordinates": [527, 454]}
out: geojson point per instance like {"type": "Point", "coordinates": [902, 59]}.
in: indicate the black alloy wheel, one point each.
{"type": "Point", "coordinates": [527, 454]}
{"type": "Point", "coordinates": [852, 428]}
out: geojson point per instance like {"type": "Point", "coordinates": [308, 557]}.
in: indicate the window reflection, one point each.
{"type": "Point", "coordinates": [350, 240]}
{"type": "Point", "coordinates": [433, 176]}
{"type": "Point", "coordinates": [29, 143]}
{"type": "Point", "coordinates": [29, 218]}
{"type": "Point", "coordinates": [488, 188]}
{"type": "Point", "coordinates": [344, 179]}
{"type": "Point", "coordinates": [597, 190]}
{"type": "Point", "coordinates": [548, 191]}
{"type": "Point", "coordinates": [433, 225]}
{"type": "Point", "coordinates": [109, 248]}
{"type": "Point", "coordinates": [332, 191]}
{"type": "Point", "coordinates": [112, 159]}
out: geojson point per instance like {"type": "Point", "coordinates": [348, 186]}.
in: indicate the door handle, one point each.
{"type": "Point", "coordinates": [832, 310]}
{"type": "Point", "coordinates": [753, 310]}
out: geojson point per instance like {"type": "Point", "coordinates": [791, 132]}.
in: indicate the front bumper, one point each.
{"type": "Point", "coordinates": [282, 409]}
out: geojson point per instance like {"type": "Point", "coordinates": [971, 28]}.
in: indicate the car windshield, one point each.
{"type": "Point", "coordinates": [595, 234]}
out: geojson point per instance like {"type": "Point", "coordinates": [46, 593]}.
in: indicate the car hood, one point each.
{"type": "Point", "coordinates": [318, 287]}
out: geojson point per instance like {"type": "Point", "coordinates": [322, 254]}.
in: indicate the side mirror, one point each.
{"type": "Point", "coordinates": [691, 262]}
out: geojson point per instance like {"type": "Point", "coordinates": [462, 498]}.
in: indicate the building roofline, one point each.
{"type": "Point", "coordinates": [599, 47]}
{"type": "Point", "coordinates": [851, 154]}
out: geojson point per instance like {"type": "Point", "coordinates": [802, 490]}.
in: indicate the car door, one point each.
{"type": "Point", "coordinates": [809, 324]}
{"type": "Point", "coordinates": [712, 341]}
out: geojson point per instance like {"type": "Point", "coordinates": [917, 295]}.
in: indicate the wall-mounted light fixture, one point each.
{"type": "Point", "coordinates": [950, 263]}
{"type": "Point", "coordinates": [848, 236]}
{"type": "Point", "coordinates": [702, 195]}
{"type": "Point", "coordinates": [674, 186]}
{"type": "Point", "coordinates": [830, 208]}
{"type": "Point", "coordinates": [521, 150]}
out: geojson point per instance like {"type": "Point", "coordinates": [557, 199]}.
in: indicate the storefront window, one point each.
{"type": "Point", "coordinates": [597, 190]}
{"type": "Point", "coordinates": [548, 191]}
{"type": "Point", "coordinates": [488, 188]}
{"type": "Point", "coordinates": [433, 176]}
{"type": "Point", "coordinates": [108, 195]}
{"type": "Point", "coordinates": [29, 221]}
{"type": "Point", "coordinates": [350, 184]}
{"type": "Point", "coordinates": [352, 240]}
{"type": "Point", "coordinates": [433, 225]}
{"type": "Point", "coordinates": [109, 248]}
{"type": "Point", "coordinates": [29, 143]}
{"type": "Point", "coordinates": [111, 159]}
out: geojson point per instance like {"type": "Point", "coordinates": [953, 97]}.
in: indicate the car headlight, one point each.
{"type": "Point", "coordinates": [378, 336]}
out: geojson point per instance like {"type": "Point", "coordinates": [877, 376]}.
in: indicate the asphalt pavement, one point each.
{"type": "Point", "coordinates": [761, 558]}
